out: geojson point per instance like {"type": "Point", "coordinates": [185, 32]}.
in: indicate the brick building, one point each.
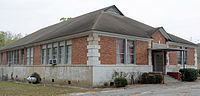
{"type": "Point", "coordinates": [94, 48]}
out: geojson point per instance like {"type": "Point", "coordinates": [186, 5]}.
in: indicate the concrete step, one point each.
{"type": "Point", "coordinates": [169, 79]}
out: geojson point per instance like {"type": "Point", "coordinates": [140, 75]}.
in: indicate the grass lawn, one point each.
{"type": "Point", "coordinates": [21, 89]}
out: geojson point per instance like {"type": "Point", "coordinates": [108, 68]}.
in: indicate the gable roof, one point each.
{"type": "Point", "coordinates": [100, 20]}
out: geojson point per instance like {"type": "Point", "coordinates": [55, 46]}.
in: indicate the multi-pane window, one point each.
{"type": "Point", "coordinates": [120, 51]}
{"type": "Point", "coordinates": [185, 56]}
{"type": "Point", "coordinates": [29, 56]}
{"type": "Point", "coordinates": [22, 56]}
{"type": "Point", "coordinates": [12, 57]}
{"type": "Point", "coordinates": [49, 48]}
{"type": "Point", "coordinates": [125, 51]}
{"type": "Point", "coordinates": [68, 52]}
{"type": "Point", "coordinates": [59, 51]}
{"type": "Point", "coordinates": [43, 56]}
{"type": "Point", "coordinates": [1, 58]}
{"type": "Point", "coordinates": [55, 50]}
{"type": "Point", "coordinates": [130, 52]}
{"type": "Point", "coordinates": [180, 56]}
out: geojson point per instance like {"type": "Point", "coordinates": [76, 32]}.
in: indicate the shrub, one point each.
{"type": "Point", "coordinates": [188, 74]}
{"type": "Point", "coordinates": [158, 78]}
{"type": "Point", "coordinates": [120, 82]}
{"type": "Point", "coordinates": [105, 83]}
{"type": "Point", "coordinates": [151, 79]}
{"type": "Point", "coordinates": [145, 78]}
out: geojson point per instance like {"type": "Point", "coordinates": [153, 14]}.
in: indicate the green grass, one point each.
{"type": "Point", "coordinates": [21, 89]}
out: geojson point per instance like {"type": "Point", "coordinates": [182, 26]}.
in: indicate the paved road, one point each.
{"type": "Point", "coordinates": [172, 89]}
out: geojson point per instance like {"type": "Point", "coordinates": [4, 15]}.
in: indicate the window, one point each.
{"type": "Point", "coordinates": [55, 50]}
{"type": "Point", "coordinates": [180, 56]}
{"type": "Point", "coordinates": [185, 56]}
{"type": "Point", "coordinates": [69, 52]}
{"type": "Point", "coordinates": [1, 58]}
{"type": "Point", "coordinates": [43, 56]}
{"type": "Point", "coordinates": [12, 57]}
{"type": "Point", "coordinates": [61, 51]}
{"type": "Point", "coordinates": [49, 47]}
{"type": "Point", "coordinates": [130, 52]}
{"type": "Point", "coordinates": [22, 56]}
{"type": "Point", "coordinates": [125, 51]}
{"type": "Point", "coordinates": [120, 51]}
{"type": "Point", "coordinates": [29, 56]}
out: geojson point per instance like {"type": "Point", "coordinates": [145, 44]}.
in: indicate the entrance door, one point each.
{"type": "Point", "coordinates": [158, 62]}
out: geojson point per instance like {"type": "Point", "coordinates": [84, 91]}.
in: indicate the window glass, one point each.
{"type": "Point", "coordinates": [130, 52]}
{"type": "Point", "coordinates": [69, 48]}
{"type": "Point", "coordinates": [185, 56]}
{"type": "Point", "coordinates": [180, 56]}
{"type": "Point", "coordinates": [28, 56]}
{"type": "Point", "coordinates": [61, 54]}
{"type": "Point", "coordinates": [22, 56]}
{"type": "Point", "coordinates": [120, 51]}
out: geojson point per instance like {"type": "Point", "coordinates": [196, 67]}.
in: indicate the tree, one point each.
{"type": "Point", "coordinates": [8, 37]}
{"type": "Point", "coordinates": [64, 19]}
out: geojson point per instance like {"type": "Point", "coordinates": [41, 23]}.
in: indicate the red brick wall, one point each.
{"type": "Point", "coordinates": [4, 58]}
{"type": "Point", "coordinates": [191, 52]}
{"type": "Point", "coordinates": [24, 56]}
{"type": "Point", "coordinates": [79, 50]}
{"type": "Point", "coordinates": [36, 55]}
{"type": "Point", "coordinates": [158, 37]}
{"type": "Point", "coordinates": [173, 60]}
{"type": "Point", "coordinates": [19, 56]}
{"type": "Point", "coordinates": [141, 52]}
{"type": "Point", "coordinates": [108, 50]}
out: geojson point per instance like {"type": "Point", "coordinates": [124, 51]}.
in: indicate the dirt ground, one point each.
{"type": "Point", "coordinates": [22, 89]}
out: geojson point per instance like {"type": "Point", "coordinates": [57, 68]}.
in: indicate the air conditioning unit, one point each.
{"type": "Point", "coordinates": [53, 61]}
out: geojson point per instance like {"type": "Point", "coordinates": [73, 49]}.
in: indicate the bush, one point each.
{"type": "Point", "coordinates": [105, 83]}
{"type": "Point", "coordinates": [188, 74]}
{"type": "Point", "coordinates": [158, 78]}
{"type": "Point", "coordinates": [120, 82]}
{"type": "Point", "coordinates": [150, 79]}
{"type": "Point", "coordinates": [145, 78]}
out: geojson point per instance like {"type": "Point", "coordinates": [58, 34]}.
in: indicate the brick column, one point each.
{"type": "Point", "coordinates": [36, 55]}
{"type": "Point", "coordinates": [4, 58]}
{"type": "Point", "coordinates": [19, 56]}
{"type": "Point", "coordinates": [24, 56]}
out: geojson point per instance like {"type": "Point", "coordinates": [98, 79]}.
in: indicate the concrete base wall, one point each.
{"type": "Point", "coordinates": [107, 73]}
{"type": "Point", "coordinates": [77, 75]}
{"type": "Point", "coordinates": [176, 68]}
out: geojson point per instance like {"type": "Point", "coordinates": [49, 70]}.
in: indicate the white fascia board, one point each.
{"type": "Point", "coordinates": [164, 33]}
{"type": "Point", "coordinates": [181, 44]}
{"type": "Point", "coordinates": [122, 36]}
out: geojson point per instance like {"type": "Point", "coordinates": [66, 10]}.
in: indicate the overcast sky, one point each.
{"type": "Point", "coordinates": [178, 17]}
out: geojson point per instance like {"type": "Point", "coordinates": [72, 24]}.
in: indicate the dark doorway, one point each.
{"type": "Point", "coordinates": [158, 62]}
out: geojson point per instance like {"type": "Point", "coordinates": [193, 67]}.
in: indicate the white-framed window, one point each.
{"type": "Point", "coordinates": [12, 57]}
{"type": "Point", "coordinates": [22, 56]}
{"type": "Point", "coordinates": [180, 55]}
{"type": "Point", "coordinates": [29, 56]}
{"type": "Point", "coordinates": [61, 51]}
{"type": "Point", "coordinates": [61, 54]}
{"type": "Point", "coordinates": [125, 51]}
{"type": "Point", "coordinates": [185, 56]}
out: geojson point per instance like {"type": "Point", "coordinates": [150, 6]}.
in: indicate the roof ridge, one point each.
{"type": "Point", "coordinates": [97, 20]}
